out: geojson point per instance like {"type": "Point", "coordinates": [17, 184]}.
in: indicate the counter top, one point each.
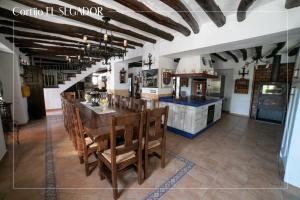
{"type": "Point", "coordinates": [194, 101]}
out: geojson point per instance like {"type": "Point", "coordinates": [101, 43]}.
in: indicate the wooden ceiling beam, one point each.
{"type": "Point", "coordinates": [234, 57]}
{"type": "Point", "coordinates": [77, 45]}
{"type": "Point", "coordinates": [294, 51]}
{"type": "Point", "coordinates": [292, 4]}
{"type": "Point", "coordinates": [144, 10]}
{"type": "Point", "coordinates": [83, 18]}
{"type": "Point", "coordinates": [184, 12]}
{"type": "Point", "coordinates": [278, 47]}
{"type": "Point", "coordinates": [213, 11]}
{"type": "Point", "coordinates": [52, 27]}
{"type": "Point", "coordinates": [30, 41]}
{"type": "Point", "coordinates": [258, 51]}
{"type": "Point", "coordinates": [10, 31]}
{"type": "Point", "coordinates": [21, 40]}
{"type": "Point", "coordinates": [244, 53]}
{"type": "Point", "coordinates": [219, 56]}
{"type": "Point", "coordinates": [242, 9]}
{"type": "Point", "coordinates": [114, 15]}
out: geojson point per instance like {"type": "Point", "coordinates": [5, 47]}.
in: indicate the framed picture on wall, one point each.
{"type": "Point", "coordinates": [166, 77]}
{"type": "Point", "coordinates": [150, 78]}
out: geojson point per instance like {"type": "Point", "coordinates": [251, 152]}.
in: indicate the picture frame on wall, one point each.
{"type": "Point", "coordinates": [150, 78]}
{"type": "Point", "coordinates": [166, 77]}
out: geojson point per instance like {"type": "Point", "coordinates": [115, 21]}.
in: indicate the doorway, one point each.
{"type": "Point", "coordinates": [228, 73]}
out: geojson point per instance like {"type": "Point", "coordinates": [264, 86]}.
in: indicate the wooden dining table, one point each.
{"type": "Point", "coordinates": [97, 124]}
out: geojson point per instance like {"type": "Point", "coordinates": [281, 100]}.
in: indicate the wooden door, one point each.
{"type": "Point", "coordinates": [34, 79]}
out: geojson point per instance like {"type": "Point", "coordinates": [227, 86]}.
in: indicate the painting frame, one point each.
{"type": "Point", "coordinates": [150, 78]}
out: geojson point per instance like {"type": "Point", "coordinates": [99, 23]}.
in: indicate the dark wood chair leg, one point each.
{"type": "Point", "coordinates": [114, 183]}
{"type": "Point", "coordinates": [140, 168]}
{"type": "Point", "coordinates": [81, 160]}
{"type": "Point", "coordinates": [102, 177]}
{"type": "Point", "coordinates": [146, 173]}
{"type": "Point", "coordinates": [163, 157]}
{"type": "Point", "coordinates": [86, 163]}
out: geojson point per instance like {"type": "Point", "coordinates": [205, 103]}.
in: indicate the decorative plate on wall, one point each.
{"type": "Point", "coordinates": [166, 77]}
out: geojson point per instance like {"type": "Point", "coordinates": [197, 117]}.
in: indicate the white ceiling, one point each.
{"type": "Point", "coordinates": [228, 7]}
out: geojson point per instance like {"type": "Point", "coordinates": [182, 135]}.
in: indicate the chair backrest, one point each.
{"type": "Point", "coordinates": [71, 96]}
{"type": "Point", "coordinates": [132, 125]}
{"type": "Point", "coordinates": [156, 121]}
{"type": "Point", "coordinates": [72, 122]}
{"type": "Point", "coordinates": [116, 100]}
{"type": "Point", "coordinates": [110, 98]}
{"type": "Point", "coordinates": [125, 102]}
{"type": "Point", "coordinates": [138, 105]}
{"type": "Point", "coordinates": [81, 94]}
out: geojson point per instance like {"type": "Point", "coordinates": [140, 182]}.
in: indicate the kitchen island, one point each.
{"type": "Point", "coordinates": [189, 116]}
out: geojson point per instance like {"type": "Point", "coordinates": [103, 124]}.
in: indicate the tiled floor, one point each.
{"type": "Point", "coordinates": [237, 158]}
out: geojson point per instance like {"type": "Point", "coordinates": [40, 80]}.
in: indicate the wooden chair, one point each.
{"type": "Point", "coordinates": [119, 158]}
{"type": "Point", "coordinates": [71, 96]}
{"type": "Point", "coordinates": [86, 146]}
{"type": "Point", "coordinates": [110, 98]}
{"type": "Point", "coordinates": [138, 105]}
{"type": "Point", "coordinates": [125, 102]}
{"type": "Point", "coordinates": [116, 100]}
{"type": "Point", "coordinates": [64, 108]}
{"type": "Point", "coordinates": [155, 136]}
{"type": "Point", "coordinates": [81, 95]}
{"type": "Point", "coordinates": [71, 124]}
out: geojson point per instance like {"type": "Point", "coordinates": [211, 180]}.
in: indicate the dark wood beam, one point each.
{"type": "Point", "coordinates": [184, 12]}
{"type": "Point", "coordinates": [144, 10]}
{"type": "Point", "coordinates": [31, 44]}
{"type": "Point", "coordinates": [219, 56]}
{"type": "Point", "coordinates": [10, 31]}
{"type": "Point", "coordinates": [258, 51]}
{"type": "Point", "coordinates": [278, 47]}
{"type": "Point", "coordinates": [292, 4]}
{"type": "Point", "coordinates": [23, 40]}
{"type": "Point", "coordinates": [114, 15]}
{"type": "Point", "coordinates": [294, 51]}
{"type": "Point", "coordinates": [83, 18]}
{"type": "Point", "coordinates": [244, 53]}
{"type": "Point", "coordinates": [52, 27]}
{"type": "Point", "coordinates": [242, 9]}
{"type": "Point", "coordinates": [213, 11]}
{"type": "Point", "coordinates": [234, 57]}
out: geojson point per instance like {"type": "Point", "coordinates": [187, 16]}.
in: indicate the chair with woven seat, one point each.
{"type": "Point", "coordinates": [119, 158]}
{"type": "Point", "coordinates": [155, 136]}
{"type": "Point", "coordinates": [116, 100]}
{"type": "Point", "coordinates": [125, 102]}
{"type": "Point", "coordinates": [86, 146]}
{"type": "Point", "coordinates": [138, 105]}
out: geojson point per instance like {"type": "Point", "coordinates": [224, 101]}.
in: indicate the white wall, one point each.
{"type": "Point", "coordinates": [2, 142]}
{"type": "Point", "coordinates": [239, 103]}
{"type": "Point", "coordinates": [10, 76]}
{"type": "Point", "coordinates": [291, 140]}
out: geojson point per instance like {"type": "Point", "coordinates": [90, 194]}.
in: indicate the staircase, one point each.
{"type": "Point", "coordinates": [79, 76]}
{"type": "Point", "coordinates": [52, 95]}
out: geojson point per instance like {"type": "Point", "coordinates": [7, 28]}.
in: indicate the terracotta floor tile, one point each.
{"type": "Point", "coordinates": [234, 153]}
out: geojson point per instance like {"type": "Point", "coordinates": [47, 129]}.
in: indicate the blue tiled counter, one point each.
{"type": "Point", "coordinates": [188, 116]}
